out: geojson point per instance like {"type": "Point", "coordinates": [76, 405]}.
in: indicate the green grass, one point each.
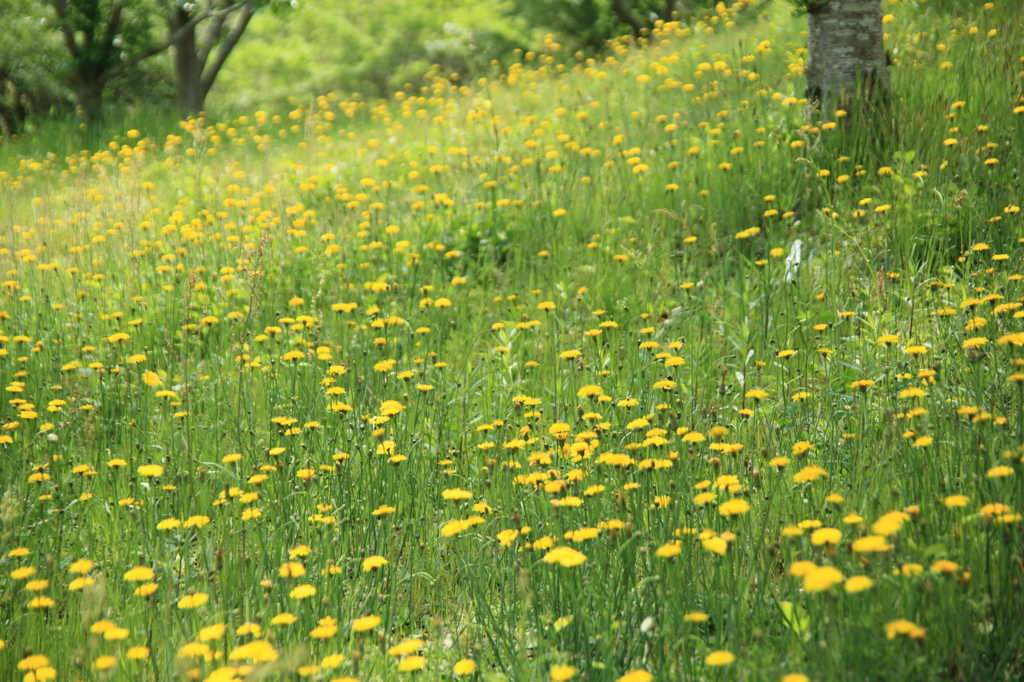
{"type": "Point", "coordinates": [175, 297]}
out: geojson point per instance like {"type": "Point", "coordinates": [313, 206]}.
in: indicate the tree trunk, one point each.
{"type": "Point", "coordinates": [211, 69]}
{"type": "Point", "coordinates": [627, 17]}
{"type": "Point", "coordinates": [187, 67]}
{"type": "Point", "coordinates": [670, 8]}
{"type": "Point", "coordinates": [847, 63]}
{"type": "Point", "coordinates": [198, 59]}
{"type": "Point", "coordinates": [89, 94]}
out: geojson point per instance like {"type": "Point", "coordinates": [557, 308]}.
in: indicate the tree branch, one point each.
{"type": "Point", "coordinates": [61, 8]}
{"type": "Point", "coordinates": [113, 23]}
{"type": "Point", "coordinates": [670, 7]}
{"type": "Point", "coordinates": [626, 15]}
{"type": "Point", "coordinates": [226, 47]}
{"type": "Point", "coordinates": [212, 33]}
{"type": "Point", "coordinates": [156, 49]}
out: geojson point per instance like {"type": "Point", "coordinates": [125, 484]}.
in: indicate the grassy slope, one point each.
{"type": "Point", "coordinates": [448, 221]}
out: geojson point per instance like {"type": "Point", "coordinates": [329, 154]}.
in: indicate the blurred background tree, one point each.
{"type": "Point", "coordinates": [30, 56]}
{"type": "Point", "coordinates": [370, 48]}
{"type": "Point", "coordinates": [202, 48]}
{"type": "Point", "coordinates": [103, 39]}
{"type": "Point", "coordinates": [59, 56]}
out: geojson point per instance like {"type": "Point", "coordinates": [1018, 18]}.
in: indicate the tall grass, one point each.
{"type": "Point", "coordinates": [615, 378]}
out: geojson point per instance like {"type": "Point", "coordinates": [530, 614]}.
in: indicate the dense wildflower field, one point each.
{"type": "Point", "coordinates": [625, 368]}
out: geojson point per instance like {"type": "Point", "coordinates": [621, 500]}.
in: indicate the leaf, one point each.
{"type": "Point", "coordinates": [494, 677]}
{"type": "Point", "coordinates": [909, 156]}
{"type": "Point", "coordinates": [563, 623]}
{"type": "Point", "coordinates": [797, 619]}
{"type": "Point", "coordinates": [426, 576]}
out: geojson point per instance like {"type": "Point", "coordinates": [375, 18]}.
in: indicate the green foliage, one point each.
{"type": "Point", "coordinates": [589, 24]}
{"type": "Point", "coordinates": [582, 24]}
{"type": "Point", "coordinates": [808, 6]}
{"type": "Point", "coordinates": [375, 49]}
{"type": "Point", "coordinates": [29, 57]}
{"type": "Point", "coordinates": [372, 48]}
{"type": "Point", "coordinates": [91, 22]}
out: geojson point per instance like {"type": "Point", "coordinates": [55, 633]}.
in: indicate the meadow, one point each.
{"type": "Point", "coordinates": [612, 369]}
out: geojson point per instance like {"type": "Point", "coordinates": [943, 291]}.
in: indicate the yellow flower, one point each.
{"type": "Point", "coordinates": [33, 662]}
{"type": "Point", "coordinates": [734, 507]}
{"type": "Point", "coordinates": [717, 545]}
{"type": "Point", "coordinates": [871, 543]}
{"type": "Point", "coordinates": [212, 632]}
{"type": "Point", "coordinates": [326, 629]}
{"type": "Point", "coordinates": [406, 647]}
{"type": "Point", "coordinates": [809, 474]}
{"type": "Point", "coordinates": [464, 667]}
{"type": "Point", "coordinates": [193, 601]}
{"type": "Point", "coordinates": [561, 673]}
{"type": "Point", "coordinates": [858, 583]}
{"type": "Point", "coordinates": [139, 574]}
{"type": "Point", "coordinates": [365, 623]}
{"type": "Point", "coordinates": [668, 550]}
{"type": "Point", "coordinates": [40, 603]}
{"type": "Point", "coordinates": [137, 653]}
{"type": "Point", "coordinates": [257, 651]}
{"type": "Point", "coordinates": [81, 566]}
{"type": "Point", "coordinates": [151, 470]}
{"type": "Point", "coordinates": [899, 627]}
{"type": "Point", "coordinates": [564, 556]}
{"type": "Point", "coordinates": [193, 650]}
{"type": "Point", "coordinates": [332, 661]}
{"type": "Point", "coordinates": [412, 663]}
{"type": "Point", "coordinates": [890, 523]}
{"type": "Point", "coordinates": [302, 592]}
{"type": "Point", "coordinates": [456, 526]}
{"type": "Point", "coordinates": [911, 570]}
{"type": "Point", "coordinates": [822, 578]}
{"type": "Point", "coordinates": [145, 590]}
{"type": "Point", "coordinates": [506, 537]}
{"type": "Point", "coordinates": [291, 569]}
{"type": "Point", "coordinates": [826, 536]}
{"type": "Point", "coordinates": [719, 658]}
{"type": "Point", "coordinates": [116, 634]}
{"type": "Point", "coordinates": [639, 675]}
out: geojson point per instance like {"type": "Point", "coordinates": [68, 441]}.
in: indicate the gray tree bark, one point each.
{"type": "Point", "coordinates": [186, 65]}
{"type": "Point", "coordinates": [199, 57]}
{"type": "Point", "coordinates": [847, 62]}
